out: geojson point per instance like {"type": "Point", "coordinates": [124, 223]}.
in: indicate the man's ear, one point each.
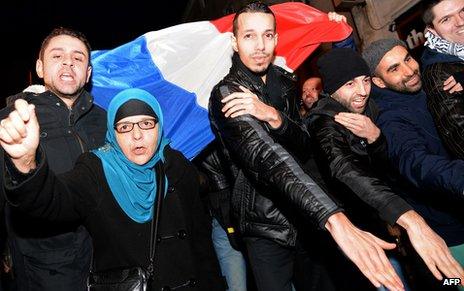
{"type": "Point", "coordinates": [89, 73]}
{"type": "Point", "coordinates": [39, 68]}
{"type": "Point", "coordinates": [432, 30]}
{"type": "Point", "coordinates": [234, 43]}
{"type": "Point", "coordinates": [378, 82]}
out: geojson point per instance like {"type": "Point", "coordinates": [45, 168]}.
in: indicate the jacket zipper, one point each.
{"type": "Point", "coordinates": [79, 140]}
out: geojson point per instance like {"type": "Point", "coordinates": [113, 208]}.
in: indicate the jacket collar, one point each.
{"type": "Point", "coordinates": [387, 98]}
{"type": "Point", "coordinates": [238, 67]}
{"type": "Point", "coordinates": [271, 92]}
{"type": "Point", "coordinates": [330, 107]}
{"type": "Point", "coordinates": [430, 57]}
{"type": "Point", "coordinates": [81, 106]}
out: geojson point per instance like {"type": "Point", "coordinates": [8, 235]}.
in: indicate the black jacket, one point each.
{"type": "Point", "coordinates": [269, 184]}
{"type": "Point", "coordinates": [184, 252]}
{"type": "Point", "coordinates": [353, 168]}
{"type": "Point", "coordinates": [447, 109]}
{"type": "Point", "coordinates": [217, 190]}
{"type": "Point", "coordinates": [52, 253]}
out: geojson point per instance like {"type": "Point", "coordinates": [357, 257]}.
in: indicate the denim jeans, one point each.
{"type": "Point", "coordinates": [399, 270]}
{"type": "Point", "coordinates": [231, 261]}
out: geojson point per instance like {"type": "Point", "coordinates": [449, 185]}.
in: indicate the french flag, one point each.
{"type": "Point", "coordinates": [181, 64]}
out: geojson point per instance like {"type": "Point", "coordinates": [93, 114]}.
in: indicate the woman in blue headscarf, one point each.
{"type": "Point", "coordinates": [112, 191]}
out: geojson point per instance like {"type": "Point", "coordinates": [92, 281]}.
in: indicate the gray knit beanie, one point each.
{"type": "Point", "coordinates": [374, 53]}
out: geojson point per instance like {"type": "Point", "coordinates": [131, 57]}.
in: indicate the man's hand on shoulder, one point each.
{"type": "Point", "coordinates": [451, 85]}
{"type": "Point", "coordinates": [246, 102]}
{"type": "Point", "coordinates": [359, 125]}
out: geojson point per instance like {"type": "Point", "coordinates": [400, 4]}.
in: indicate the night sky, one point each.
{"type": "Point", "coordinates": [107, 24]}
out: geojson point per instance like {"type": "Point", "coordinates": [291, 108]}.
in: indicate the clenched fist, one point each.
{"type": "Point", "coordinates": [19, 135]}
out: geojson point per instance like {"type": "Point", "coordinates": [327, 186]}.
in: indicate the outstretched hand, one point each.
{"type": "Point", "coordinates": [19, 135]}
{"type": "Point", "coordinates": [430, 247]}
{"type": "Point", "coordinates": [366, 251]}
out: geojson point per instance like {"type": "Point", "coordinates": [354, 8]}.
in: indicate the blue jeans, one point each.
{"type": "Point", "coordinates": [231, 261]}
{"type": "Point", "coordinates": [399, 270]}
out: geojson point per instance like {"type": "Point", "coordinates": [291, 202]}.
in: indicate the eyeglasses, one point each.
{"type": "Point", "coordinates": [145, 124]}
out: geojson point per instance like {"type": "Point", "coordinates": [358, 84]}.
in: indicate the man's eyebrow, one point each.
{"type": "Point", "coordinates": [392, 67]}
{"type": "Point", "coordinates": [61, 50]}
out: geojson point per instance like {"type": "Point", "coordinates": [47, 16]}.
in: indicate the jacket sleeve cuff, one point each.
{"type": "Point", "coordinates": [282, 128]}
{"type": "Point", "coordinates": [379, 142]}
{"type": "Point", "coordinates": [17, 182]}
{"type": "Point", "coordinates": [325, 217]}
{"type": "Point", "coordinates": [392, 211]}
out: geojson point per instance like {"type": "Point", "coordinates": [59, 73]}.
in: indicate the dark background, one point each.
{"type": "Point", "coordinates": [107, 24]}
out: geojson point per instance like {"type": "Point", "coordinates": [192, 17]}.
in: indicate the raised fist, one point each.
{"type": "Point", "coordinates": [19, 134]}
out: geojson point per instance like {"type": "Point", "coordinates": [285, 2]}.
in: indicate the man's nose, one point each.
{"type": "Point", "coordinates": [68, 60]}
{"type": "Point", "coordinates": [260, 44]}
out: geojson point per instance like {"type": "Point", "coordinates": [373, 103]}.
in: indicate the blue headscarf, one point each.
{"type": "Point", "coordinates": [133, 186]}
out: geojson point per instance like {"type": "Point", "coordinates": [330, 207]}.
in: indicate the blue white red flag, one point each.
{"type": "Point", "coordinates": [181, 64]}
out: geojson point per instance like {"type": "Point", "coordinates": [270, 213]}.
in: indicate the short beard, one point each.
{"type": "Point", "coordinates": [403, 89]}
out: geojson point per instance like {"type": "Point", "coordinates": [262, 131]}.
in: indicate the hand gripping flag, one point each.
{"type": "Point", "coordinates": [181, 64]}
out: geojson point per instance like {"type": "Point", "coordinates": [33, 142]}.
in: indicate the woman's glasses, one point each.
{"type": "Point", "coordinates": [129, 126]}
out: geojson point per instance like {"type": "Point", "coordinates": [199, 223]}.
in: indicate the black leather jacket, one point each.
{"type": "Point", "coordinates": [447, 109]}
{"type": "Point", "coordinates": [269, 183]}
{"type": "Point", "coordinates": [355, 170]}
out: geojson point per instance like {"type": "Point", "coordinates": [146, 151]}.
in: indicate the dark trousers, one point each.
{"type": "Point", "coordinates": [276, 267]}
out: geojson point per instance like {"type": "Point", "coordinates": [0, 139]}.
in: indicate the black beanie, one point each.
{"type": "Point", "coordinates": [339, 66]}
{"type": "Point", "coordinates": [133, 107]}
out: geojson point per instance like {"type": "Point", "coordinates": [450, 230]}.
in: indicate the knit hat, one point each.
{"type": "Point", "coordinates": [374, 53]}
{"type": "Point", "coordinates": [339, 66]}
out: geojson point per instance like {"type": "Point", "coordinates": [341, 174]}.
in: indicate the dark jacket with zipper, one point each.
{"type": "Point", "coordinates": [436, 184]}
{"type": "Point", "coordinates": [55, 256]}
{"type": "Point", "coordinates": [184, 255]}
{"type": "Point", "coordinates": [447, 109]}
{"type": "Point", "coordinates": [270, 189]}
{"type": "Point", "coordinates": [353, 169]}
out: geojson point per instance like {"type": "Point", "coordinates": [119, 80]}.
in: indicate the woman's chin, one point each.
{"type": "Point", "coordinates": [139, 159]}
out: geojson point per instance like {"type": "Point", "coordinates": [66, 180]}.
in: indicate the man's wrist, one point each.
{"type": "Point", "coordinates": [375, 135]}
{"type": "Point", "coordinates": [409, 219]}
{"type": "Point", "coordinates": [25, 164]}
{"type": "Point", "coordinates": [275, 119]}
{"type": "Point", "coordinates": [335, 221]}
